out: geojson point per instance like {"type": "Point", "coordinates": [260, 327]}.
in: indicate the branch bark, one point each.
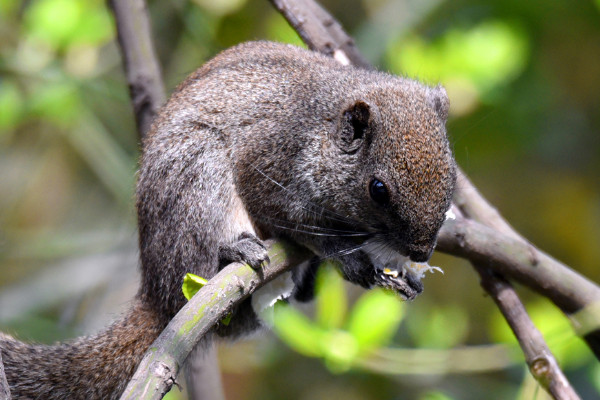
{"type": "Point", "coordinates": [539, 358]}
{"type": "Point", "coordinates": [141, 66]}
{"type": "Point", "coordinates": [521, 261]}
{"type": "Point", "coordinates": [158, 370]}
{"type": "Point", "coordinates": [320, 31]}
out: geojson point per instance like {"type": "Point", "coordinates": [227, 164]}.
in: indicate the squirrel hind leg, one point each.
{"type": "Point", "coordinates": [247, 249]}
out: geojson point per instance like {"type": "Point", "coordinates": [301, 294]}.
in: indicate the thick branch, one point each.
{"type": "Point", "coordinates": [143, 73]}
{"type": "Point", "coordinates": [541, 362]}
{"type": "Point", "coordinates": [519, 260]}
{"type": "Point", "coordinates": [158, 370]}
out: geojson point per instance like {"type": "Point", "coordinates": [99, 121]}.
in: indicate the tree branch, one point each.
{"type": "Point", "coordinates": [539, 358]}
{"type": "Point", "coordinates": [158, 370]}
{"type": "Point", "coordinates": [521, 261]}
{"type": "Point", "coordinates": [320, 31]}
{"type": "Point", "coordinates": [141, 67]}
{"type": "Point", "coordinates": [585, 314]}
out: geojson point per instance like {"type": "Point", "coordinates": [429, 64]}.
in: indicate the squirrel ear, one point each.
{"type": "Point", "coordinates": [355, 122]}
{"type": "Point", "coordinates": [438, 99]}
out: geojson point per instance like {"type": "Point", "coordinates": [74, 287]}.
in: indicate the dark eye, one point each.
{"type": "Point", "coordinates": [379, 193]}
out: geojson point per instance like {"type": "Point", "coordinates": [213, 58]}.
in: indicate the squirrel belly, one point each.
{"type": "Point", "coordinates": [264, 141]}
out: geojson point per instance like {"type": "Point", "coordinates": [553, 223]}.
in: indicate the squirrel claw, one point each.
{"type": "Point", "coordinates": [248, 249]}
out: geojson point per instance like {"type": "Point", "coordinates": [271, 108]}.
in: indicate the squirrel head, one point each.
{"type": "Point", "coordinates": [399, 173]}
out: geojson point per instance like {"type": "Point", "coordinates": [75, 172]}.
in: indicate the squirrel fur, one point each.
{"type": "Point", "coordinates": [265, 140]}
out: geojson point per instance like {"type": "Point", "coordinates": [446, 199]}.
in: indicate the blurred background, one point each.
{"type": "Point", "coordinates": [524, 85]}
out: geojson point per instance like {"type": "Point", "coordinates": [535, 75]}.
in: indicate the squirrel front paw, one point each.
{"type": "Point", "coordinates": [248, 249]}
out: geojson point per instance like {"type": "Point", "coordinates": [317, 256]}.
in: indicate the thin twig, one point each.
{"type": "Point", "coordinates": [143, 72]}
{"type": "Point", "coordinates": [158, 369]}
{"type": "Point", "coordinates": [585, 314]}
{"type": "Point", "coordinates": [541, 362]}
{"type": "Point", "coordinates": [320, 31]}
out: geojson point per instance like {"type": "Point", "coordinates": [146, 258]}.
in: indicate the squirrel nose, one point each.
{"type": "Point", "coordinates": [420, 254]}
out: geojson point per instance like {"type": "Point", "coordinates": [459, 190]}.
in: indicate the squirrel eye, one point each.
{"type": "Point", "coordinates": [379, 192]}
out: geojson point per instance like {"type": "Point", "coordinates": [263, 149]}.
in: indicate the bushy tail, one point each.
{"type": "Point", "coordinates": [92, 367]}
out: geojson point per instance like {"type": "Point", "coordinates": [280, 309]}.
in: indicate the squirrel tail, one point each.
{"type": "Point", "coordinates": [91, 367]}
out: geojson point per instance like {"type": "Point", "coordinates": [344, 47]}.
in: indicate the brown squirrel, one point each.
{"type": "Point", "coordinates": [265, 140]}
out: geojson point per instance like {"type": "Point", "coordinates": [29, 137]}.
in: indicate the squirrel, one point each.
{"type": "Point", "coordinates": [265, 140]}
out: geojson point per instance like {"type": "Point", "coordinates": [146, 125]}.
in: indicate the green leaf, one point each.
{"type": "Point", "coordinates": [375, 319]}
{"type": "Point", "coordinates": [569, 350]}
{"type": "Point", "coordinates": [62, 23]}
{"type": "Point", "coordinates": [225, 321]}
{"type": "Point", "coordinates": [436, 396]}
{"type": "Point", "coordinates": [191, 284]}
{"type": "Point", "coordinates": [297, 331]}
{"type": "Point", "coordinates": [331, 303]}
{"type": "Point", "coordinates": [340, 349]}
{"type": "Point", "coordinates": [58, 102]}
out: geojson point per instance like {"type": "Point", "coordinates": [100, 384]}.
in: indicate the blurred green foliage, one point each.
{"type": "Point", "coordinates": [524, 89]}
{"type": "Point", "coordinates": [341, 341]}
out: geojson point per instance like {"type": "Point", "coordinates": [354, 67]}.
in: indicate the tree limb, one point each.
{"type": "Point", "coordinates": [585, 314]}
{"type": "Point", "coordinates": [521, 261]}
{"type": "Point", "coordinates": [539, 358]}
{"type": "Point", "coordinates": [320, 31]}
{"type": "Point", "coordinates": [158, 370]}
{"type": "Point", "coordinates": [141, 67]}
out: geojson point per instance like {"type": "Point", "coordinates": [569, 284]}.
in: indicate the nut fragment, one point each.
{"type": "Point", "coordinates": [392, 272]}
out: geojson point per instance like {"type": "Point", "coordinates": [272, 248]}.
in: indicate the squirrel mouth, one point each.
{"type": "Point", "coordinates": [397, 272]}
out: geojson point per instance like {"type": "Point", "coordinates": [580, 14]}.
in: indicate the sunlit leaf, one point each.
{"type": "Point", "coordinates": [61, 23]}
{"type": "Point", "coordinates": [570, 350]}
{"type": "Point", "coordinates": [297, 331]}
{"type": "Point", "coordinates": [436, 396]}
{"type": "Point", "coordinates": [221, 7]}
{"type": "Point", "coordinates": [331, 303]}
{"type": "Point", "coordinates": [191, 284]}
{"type": "Point", "coordinates": [340, 349]}
{"type": "Point", "coordinates": [469, 62]}
{"type": "Point", "coordinates": [375, 318]}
